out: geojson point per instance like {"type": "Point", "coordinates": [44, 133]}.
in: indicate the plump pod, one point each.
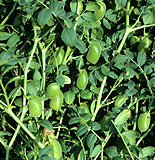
{"type": "Point", "coordinates": [120, 101]}
{"type": "Point", "coordinates": [144, 121]}
{"type": "Point", "coordinates": [56, 149]}
{"type": "Point", "coordinates": [35, 106]}
{"type": "Point", "coordinates": [94, 53]}
{"type": "Point", "coordinates": [52, 90]}
{"type": "Point", "coordinates": [59, 58]}
{"type": "Point", "coordinates": [82, 79]}
{"type": "Point", "coordinates": [101, 11]}
{"type": "Point", "coordinates": [56, 102]}
{"type": "Point", "coordinates": [144, 44]}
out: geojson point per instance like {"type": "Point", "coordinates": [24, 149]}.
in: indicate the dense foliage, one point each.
{"type": "Point", "coordinates": [77, 79]}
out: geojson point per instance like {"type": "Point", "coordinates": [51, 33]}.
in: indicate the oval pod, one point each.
{"type": "Point", "coordinates": [122, 117]}
{"type": "Point", "coordinates": [52, 90]}
{"type": "Point", "coordinates": [56, 149]}
{"type": "Point", "coordinates": [94, 53]}
{"type": "Point", "coordinates": [101, 11]}
{"type": "Point", "coordinates": [35, 106]}
{"type": "Point", "coordinates": [120, 101]}
{"type": "Point", "coordinates": [59, 59]}
{"type": "Point", "coordinates": [144, 121]}
{"type": "Point", "coordinates": [82, 79]}
{"type": "Point", "coordinates": [56, 102]}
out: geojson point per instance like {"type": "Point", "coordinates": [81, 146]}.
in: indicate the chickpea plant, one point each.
{"type": "Point", "coordinates": [77, 79]}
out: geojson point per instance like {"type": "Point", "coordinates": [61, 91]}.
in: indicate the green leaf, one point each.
{"type": "Point", "coordinates": [33, 87]}
{"type": "Point", "coordinates": [86, 94]}
{"type": "Point", "coordinates": [88, 16]}
{"type": "Point", "coordinates": [81, 130]}
{"type": "Point", "coordinates": [112, 151]}
{"type": "Point", "coordinates": [98, 75]}
{"type": "Point", "coordinates": [44, 16]}
{"type": "Point", "coordinates": [68, 36]}
{"type": "Point", "coordinates": [121, 58]}
{"type": "Point", "coordinates": [60, 80]}
{"type": "Point", "coordinates": [148, 17]}
{"type": "Point", "coordinates": [92, 79]}
{"type": "Point", "coordinates": [5, 133]}
{"type": "Point", "coordinates": [4, 36]}
{"type": "Point", "coordinates": [121, 3]}
{"type": "Point", "coordinates": [74, 120]}
{"type": "Point", "coordinates": [92, 6]}
{"type": "Point", "coordinates": [130, 92]}
{"type": "Point", "coordinates": [95, 126]}
{"type": "Point", "coordinates": [92, 107]}
{"type": "Point", "coordinates": [46, 123]}
{"type": "Point", "coordinates": [13, 40]}
{"type": "Point", "coordinates": [63, 67]}
{"type": "Point", "coordinates": [112, 75]}
{"type": "Point", "coordinates": [131, 134]}
{"type": "Point", "coordinates": [148, 69]}
{"type": "Point", "coordinates": [69, 97]}
{"type": "Point", "coordinates": [94, 89]}
{"type": "Point", "coordinates": [112, 17]}
{"type": "Point", "coordinates": [141, 58]}
{"type": "Point", "coordinates": [81, 155]}
{"type": "Point", "coordinates": [91, 139]}
{"type": "Point", "coordinates": [45, 151]}
{"type": "Point", "coordinates": [3, 61]}
{"type": "Point", "coordinates": [105, 70]}
{"type": "Point", "coordinates": [37, 75]}
{"type": "Point", "coordinates": [146, 151]}
{"type": "Point", "coordinates": [106, 23]}
{"type": "Point", "coordinates": [122, 117]}
{"type": "Point", "coordinates": [95, 151]}
{"type": "Point", "coordinates": [80, 45]}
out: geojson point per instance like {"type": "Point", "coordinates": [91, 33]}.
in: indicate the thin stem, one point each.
{"type": "Point", "coordinates": [127, 13]}
{"type": "Point", "coordinates": [5, 94]}
{"type": "Point", "coordinates": [9, 111]}
{"type": "Point", "coordinates": [98, 104]}
{"type": "Point", "coordinates": [145, 134]}
{"type": "Point", "coordinates": [123, 141]}
{"type": "Point", "coordinates": [141, 27]}
{"type": "Point", "coordinates": [7, 17]}
{"type": "Point", "coordinates": [61, 119]}
{"type": "Point", "coordinates": [127, 31]}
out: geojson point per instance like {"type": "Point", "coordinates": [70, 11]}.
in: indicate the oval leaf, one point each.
{"type": "Point", "coordinates": [81, 130]}
{"type": "Point", "coordinates": [44, 16]}
{"type": "Point", "coordinates": [68, 36]}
